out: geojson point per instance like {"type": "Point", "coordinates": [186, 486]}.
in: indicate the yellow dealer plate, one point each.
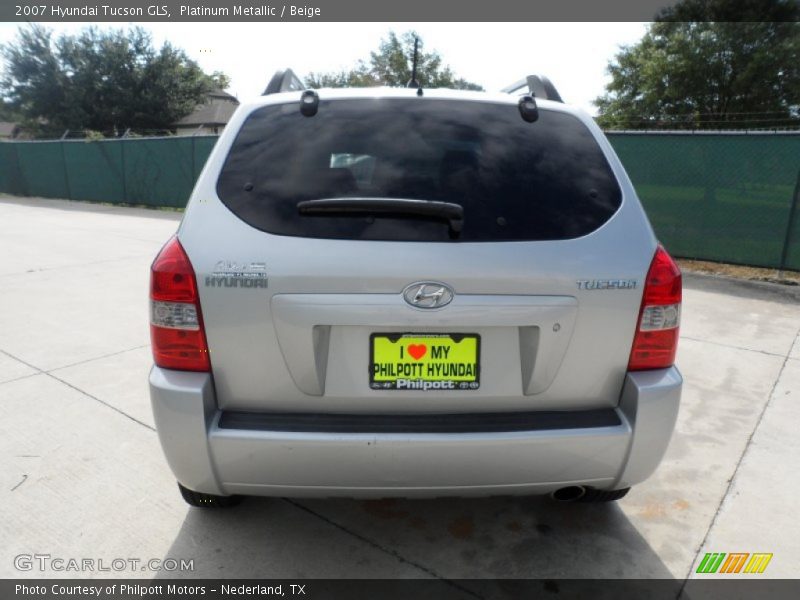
{"type": "Point", "coordinates": [424, 361]}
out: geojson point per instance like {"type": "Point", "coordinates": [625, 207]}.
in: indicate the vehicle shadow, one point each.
{"type": "Point", "coordinates": [504, 537]}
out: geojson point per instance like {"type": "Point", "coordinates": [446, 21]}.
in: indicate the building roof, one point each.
{"type": "Point", "coordinates": [216, 110]}
{"type": "Point", "coordinates": [222, 94]}
{"type": "Point", "coordinates": [8, 129]}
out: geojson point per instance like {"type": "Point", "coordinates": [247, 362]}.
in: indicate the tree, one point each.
{"type": "Point", "coordinates": [106, 81]}
{"type": "Point", "coordinates": [221, 80]}
{"type": "Point", "coordinates": [696, 68]}
{"type": "Point", "coordinates": [391, 65]}
{"type": "Point", "coordinates": [7, 112]}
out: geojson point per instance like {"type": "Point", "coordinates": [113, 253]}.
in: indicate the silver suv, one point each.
{"type": "Point", "coordinates": [413, 292]}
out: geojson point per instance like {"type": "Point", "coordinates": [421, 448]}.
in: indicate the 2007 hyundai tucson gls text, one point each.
{"type": "Point", "coordinates": [413, 293]}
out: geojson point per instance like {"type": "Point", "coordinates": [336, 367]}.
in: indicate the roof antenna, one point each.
{"type": "Point", "coordinates": [413, 83]}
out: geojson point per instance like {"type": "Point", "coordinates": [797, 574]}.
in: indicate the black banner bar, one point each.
{"type": "Point", "coordinates": [733, 588]}
{"type": "Point", "coordinates": [330, 10]}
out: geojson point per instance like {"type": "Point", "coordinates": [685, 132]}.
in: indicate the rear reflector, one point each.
{"type": "Point", "coordinates": [176, 323]}
{"type": "Point", "coordinates": [656, 339]}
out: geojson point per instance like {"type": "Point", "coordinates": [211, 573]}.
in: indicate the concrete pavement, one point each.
{"type": "Point", "coordinates": [82, 475]}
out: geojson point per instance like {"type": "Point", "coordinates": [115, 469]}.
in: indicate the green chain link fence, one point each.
{"type": "Point", "coordinates": [720, 197]}
{"type": "Point", "coordinates": [148, 171]}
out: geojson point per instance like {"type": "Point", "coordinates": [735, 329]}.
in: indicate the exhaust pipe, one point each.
{"type": "Point", "coordinates": [569, 493]}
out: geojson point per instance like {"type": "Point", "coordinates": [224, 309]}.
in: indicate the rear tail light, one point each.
{"type": "Point", "coordinates": [656, 337]}
{"type": "Point", "coordinates": [176, 323]}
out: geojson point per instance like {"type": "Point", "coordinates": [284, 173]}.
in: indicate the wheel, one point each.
{"type": "Point", "coordinates": [592, 495]}
{"type": "Point", "coordinates": [201, 500]}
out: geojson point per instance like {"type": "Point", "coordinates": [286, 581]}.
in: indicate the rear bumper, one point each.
{"type": "Point", "coordinates": [217, 453]}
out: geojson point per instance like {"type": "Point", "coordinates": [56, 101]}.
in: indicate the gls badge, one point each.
{"type": "Point", "coordinates": [231, 274]}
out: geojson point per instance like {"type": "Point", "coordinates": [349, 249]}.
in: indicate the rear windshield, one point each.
{"type": "Point", "coordinates": [515, 180]}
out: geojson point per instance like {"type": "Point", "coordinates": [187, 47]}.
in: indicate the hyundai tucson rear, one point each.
{"type": "Point", "coordinates": [392, 292]}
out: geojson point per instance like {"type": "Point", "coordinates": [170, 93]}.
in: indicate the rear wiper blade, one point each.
{"type": "Point", "coordinates": [447, 211]}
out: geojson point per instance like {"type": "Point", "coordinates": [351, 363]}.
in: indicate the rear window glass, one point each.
{"type": "Point", "coordinates": [546, 180]}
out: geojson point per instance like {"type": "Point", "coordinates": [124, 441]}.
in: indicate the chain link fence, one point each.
{"type": "Point", "coordinates": [724, 197]}
{"type": "Point", "coordinates": [147, 171]}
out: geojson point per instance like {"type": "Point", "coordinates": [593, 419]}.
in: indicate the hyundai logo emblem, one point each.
{"type": "Point", "coordinates": [428, 294]}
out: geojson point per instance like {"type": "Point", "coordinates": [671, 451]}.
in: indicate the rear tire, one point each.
{"type": "Point", "coordinates": [202, 500]}
{"type": "Point", "coordinates": [592, 495]}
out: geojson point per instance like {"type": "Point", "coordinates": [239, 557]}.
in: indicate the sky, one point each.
{"type": "Point", "coordinates": [573, 55]}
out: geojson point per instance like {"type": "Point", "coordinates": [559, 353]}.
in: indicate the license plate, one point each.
{"type": "Point", "coordinates": [424, 361]}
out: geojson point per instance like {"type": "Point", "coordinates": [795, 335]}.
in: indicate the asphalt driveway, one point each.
{"type": "Point", "coordinates": [82, 474]}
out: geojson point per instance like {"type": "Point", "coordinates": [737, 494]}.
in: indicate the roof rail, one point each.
{"type": "Point", "coordinates": [537, 85]}
{"type": "Point", "coordinates": [284, 80]}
